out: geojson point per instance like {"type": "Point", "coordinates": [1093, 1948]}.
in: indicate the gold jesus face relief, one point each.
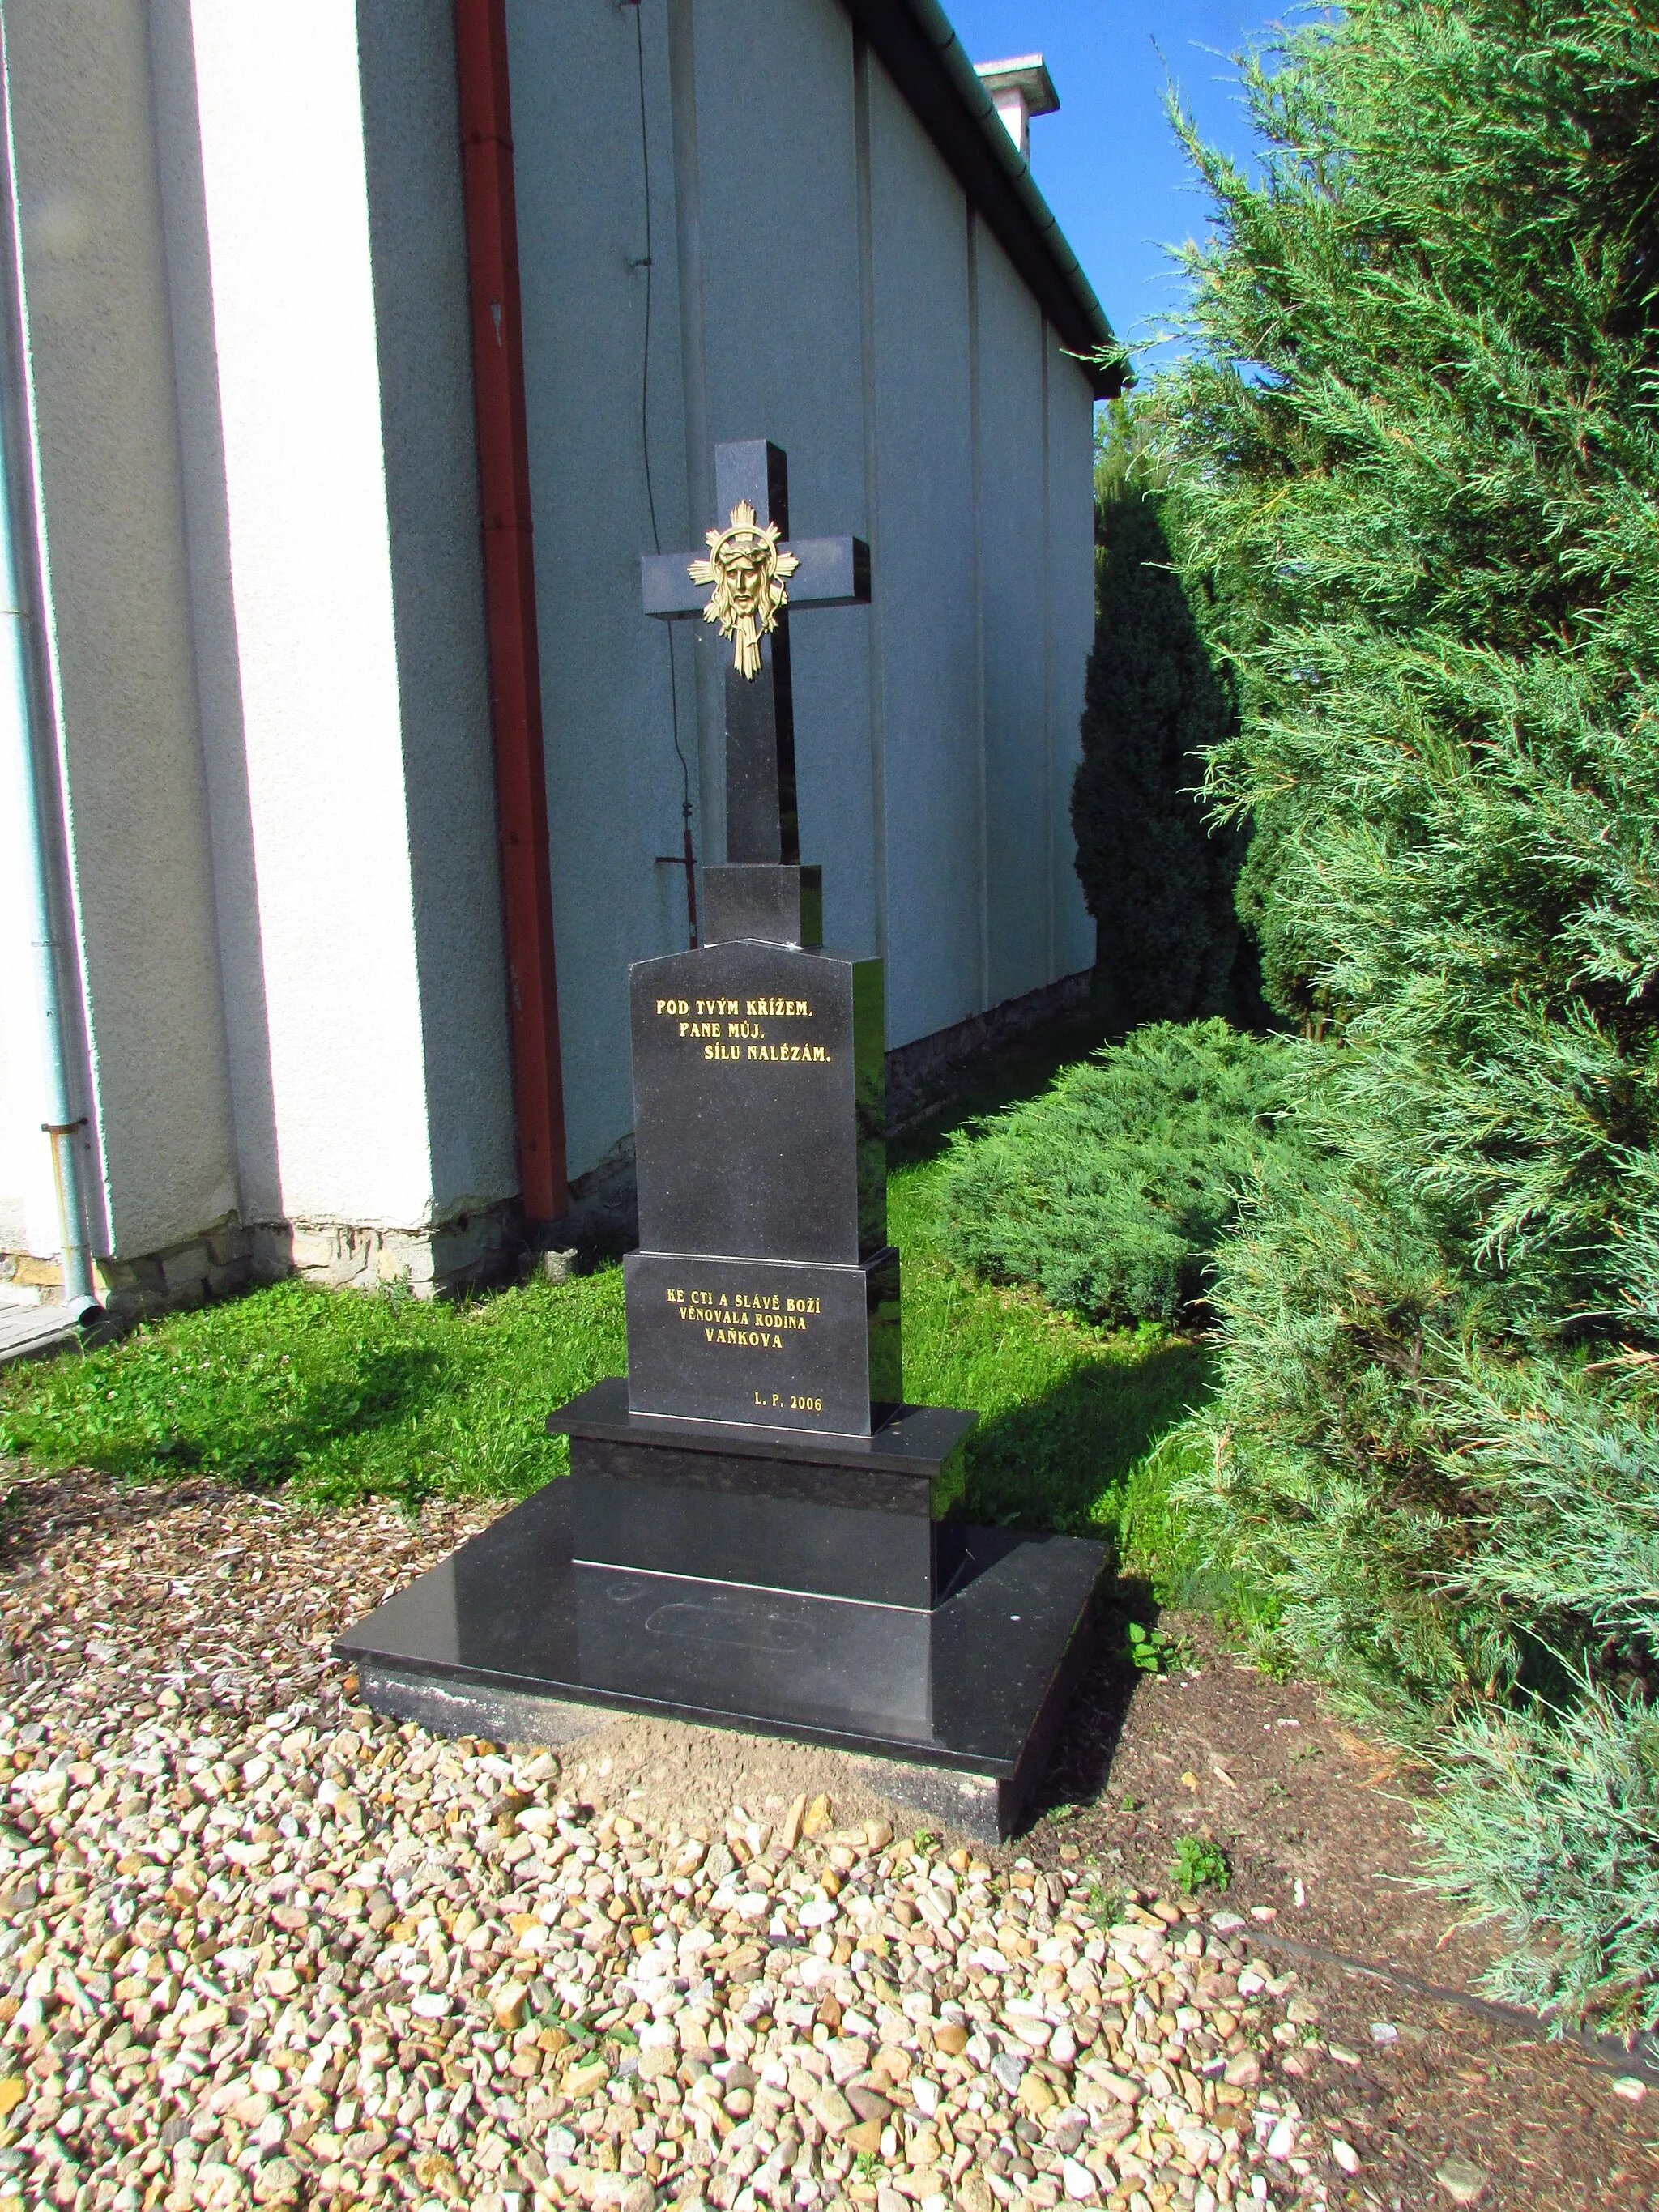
{"type": "Point", "coordinates": [747, 569]}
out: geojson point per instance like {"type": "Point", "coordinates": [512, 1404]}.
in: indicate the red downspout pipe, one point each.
{"type": "Point", "coordinates": [510, 599]}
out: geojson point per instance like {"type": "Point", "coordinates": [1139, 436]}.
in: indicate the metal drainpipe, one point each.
{"type": "Point", "coordinates": [492, 240]}
{"type": "Point", "coordinates": [24, 735]}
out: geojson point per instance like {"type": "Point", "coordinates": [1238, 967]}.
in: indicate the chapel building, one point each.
{"type": "Point", "coordinates": [350, 358]}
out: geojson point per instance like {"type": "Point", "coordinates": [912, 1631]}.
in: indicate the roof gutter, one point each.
{"type": "Point", "coordinates": [922, 54]}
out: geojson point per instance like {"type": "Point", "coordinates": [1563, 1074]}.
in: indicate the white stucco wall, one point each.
{"type": "Point", "coordinates": [246, 285]}
{"type": "Point", "coordinates": [369, 979]}
{"type": "Point", "coordinates": [244, 272]}
{"type": "Point", "coordinates": [906, 370]}
{"type": "Point", "coordinates": [100, 396]}
{"type": "Point", "coordinates": [418, 236]}
{"type": "Point", "coordinates": [286, 222]}
{"type": "Point", "coordinates": [928, 574]}
{"type": "Point", "coordinates": [984, 438]}
{"type": "Point", "coordinates": [614, 784]}
{"type": "Point", "coordinates": [27, 1213]}
{"type": "Point", "coordinates": [1015, 558]}
{"type": "Point", "coordinates": [781, 301]}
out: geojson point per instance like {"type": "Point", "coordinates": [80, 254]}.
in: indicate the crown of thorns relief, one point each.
{"type": "Point", "coordinates": [747, 569]}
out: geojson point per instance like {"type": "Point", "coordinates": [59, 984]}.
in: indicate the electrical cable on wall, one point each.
{"type": "Point", "coordinates": [688, 858]}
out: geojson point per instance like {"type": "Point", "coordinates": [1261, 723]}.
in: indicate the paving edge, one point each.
{"type": "Point", "coordinates": [1604, 2051]}
{"type": "Point", "coordinates": [44, 1343]}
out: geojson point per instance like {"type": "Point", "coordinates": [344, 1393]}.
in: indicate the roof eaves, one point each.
{"type": "Point", "coordinates": [922, 54]}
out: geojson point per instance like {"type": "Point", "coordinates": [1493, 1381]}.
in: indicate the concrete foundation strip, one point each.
{"type": "Point", "coordinates": [1606, 2051]}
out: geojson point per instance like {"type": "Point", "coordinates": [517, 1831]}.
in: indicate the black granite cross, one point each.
{"type": "Point", "coordinates": [761, 821]}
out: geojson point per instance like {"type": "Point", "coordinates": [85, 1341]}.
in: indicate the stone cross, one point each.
{"type": "Point", "coordinates": [761, 821]}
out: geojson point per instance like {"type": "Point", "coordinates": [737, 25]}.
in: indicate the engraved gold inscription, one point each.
{"type": "Point", "coordinates": [752, 1320]}
{"type": "Point", "coordinates": [781, 1010]}
{"type": "Point", "coordinates": [735, 1029]}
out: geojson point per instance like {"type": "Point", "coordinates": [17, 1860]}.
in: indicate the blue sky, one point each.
{"type": "Point", "coordinates": [1108, 163]}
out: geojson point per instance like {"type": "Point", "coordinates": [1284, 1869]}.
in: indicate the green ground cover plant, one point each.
{"type": "Point", "coordinates": [340, 1396]}
{"type": "Point", "coordinates": [1112, 1189]}
{"type": "Point", "coordinates": [1415, 448]}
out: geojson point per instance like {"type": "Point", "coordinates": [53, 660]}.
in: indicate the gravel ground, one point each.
{"type": "Point", "coordinates": [261, 1947]}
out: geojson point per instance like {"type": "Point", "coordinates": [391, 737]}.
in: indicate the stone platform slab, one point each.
{"type": "Point", "coordinates": [511, 1633]}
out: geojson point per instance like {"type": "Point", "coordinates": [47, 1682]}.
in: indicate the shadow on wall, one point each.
{"type": "Point", "coordinates": [1158, 879]}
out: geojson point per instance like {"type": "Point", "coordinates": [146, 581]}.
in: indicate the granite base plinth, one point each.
{"type": "Point", "coordinates": [969, 1694]}
{"type": "Point", "coordinates": [873, 1518]}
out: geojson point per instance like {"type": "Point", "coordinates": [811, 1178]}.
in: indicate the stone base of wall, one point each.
{"type": "Point", "coordinates": [466, 1251]}
{"type": "Point", "coordinates": [227, 1257]}
{"type": "Point", "coordinates": [470, 1248]}
{"type": "Point", "coordinates": [604, 1214]}
{"type": "Point", "coordinates": [29, 1281]}
{"type": "Point", "coordinates": [924, 1077]}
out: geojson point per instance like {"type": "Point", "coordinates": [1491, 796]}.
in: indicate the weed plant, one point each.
{"type": "Point", "coordinates": [1104, 1903]}
{"type": "Point", "coordinates": [1199, 1863]}
{"type": "Point", "coordinates": [1155, 1650]}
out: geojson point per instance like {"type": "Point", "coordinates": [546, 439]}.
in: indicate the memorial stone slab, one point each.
{"type": "Point", "coordinates": [760, 1102]}
{"type": "Point", "coordinates": [769, 1343]}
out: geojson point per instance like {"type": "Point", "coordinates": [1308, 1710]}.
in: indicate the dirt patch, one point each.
{"type": "Point", "coordinates": [1318, 1826]}
{"type": "Point", "coordinates": [667, 1772]}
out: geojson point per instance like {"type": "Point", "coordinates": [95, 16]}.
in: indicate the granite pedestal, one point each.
{"type": "Point", "coordinates": [567, 1602]}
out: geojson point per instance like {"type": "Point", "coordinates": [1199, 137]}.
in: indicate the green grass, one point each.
{"type": "Point", "coordinates": [1070, 1415]}
{"type": "Point", "coordinates": [1075, 1423]}
{"type": "Point", "coordinates": [340, 1395]}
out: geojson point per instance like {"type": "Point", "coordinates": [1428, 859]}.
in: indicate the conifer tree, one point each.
{"type": "Point", "coordinates": [1417, 436]}
{"type": "Point", "coordinates": [1157, 880]}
